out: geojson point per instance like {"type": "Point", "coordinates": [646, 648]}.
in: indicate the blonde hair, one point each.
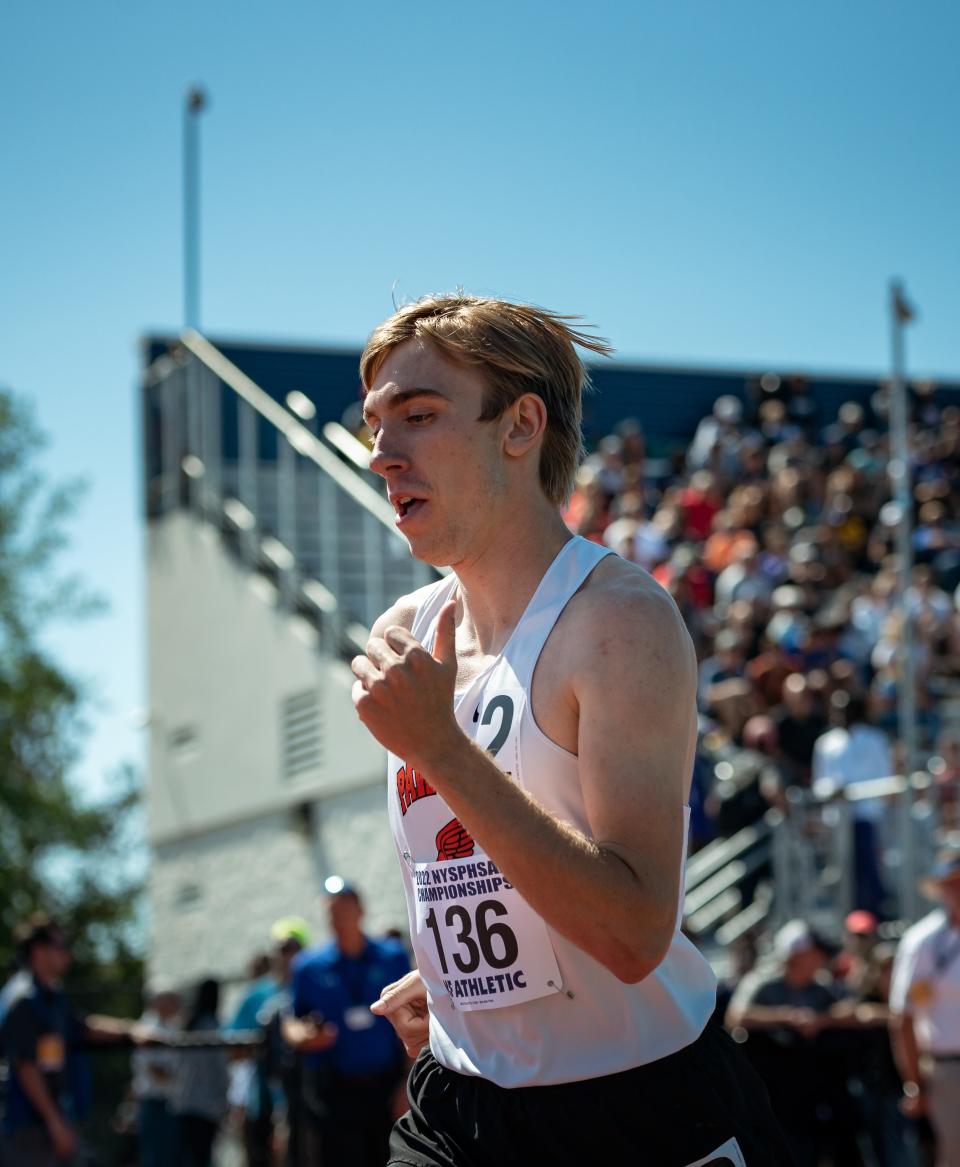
{"type": "Point", "coordinates": [520, 349]}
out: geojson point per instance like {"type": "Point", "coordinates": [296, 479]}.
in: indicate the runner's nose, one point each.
{"type": "Point", "coordinates": [385, 456]}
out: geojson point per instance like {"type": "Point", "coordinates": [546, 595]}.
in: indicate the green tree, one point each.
{"type": "Point", "coordinates": [60, 853]}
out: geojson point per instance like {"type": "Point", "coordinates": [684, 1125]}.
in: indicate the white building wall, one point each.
{"type": "Point", "coordinates": [214, 897]}
{"type": "Point", "coordinates": [223, 658]}
{"type": "Point", "coordinates": [236, 841]}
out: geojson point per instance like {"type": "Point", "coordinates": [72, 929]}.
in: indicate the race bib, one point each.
{"type": "Point", "coordinates": [488, 946]}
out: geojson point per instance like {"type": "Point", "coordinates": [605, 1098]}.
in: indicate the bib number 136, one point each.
{"type": "Point", "coordinates": [480, 935]}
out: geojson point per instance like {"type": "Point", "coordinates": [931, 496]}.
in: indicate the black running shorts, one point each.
{"type": "Point", "coordinates": [703, 1105]}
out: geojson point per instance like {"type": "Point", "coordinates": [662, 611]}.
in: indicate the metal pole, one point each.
{"type": "Point", "coordinates": [902, 489]}
{"type": "Point", "coordinates": [196, 102]}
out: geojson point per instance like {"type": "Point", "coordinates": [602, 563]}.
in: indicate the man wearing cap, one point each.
{"type": "Point", "coordinates": [784, 1005]}
{"type": "Point", "coordinates": [925, 1009]}
{"type": "Point", "coordinates": [252, 1086]}
{"type": "Point", "coordinates": [40, 1033]}
{"type": "Point", "coordinates": [354, 1060]}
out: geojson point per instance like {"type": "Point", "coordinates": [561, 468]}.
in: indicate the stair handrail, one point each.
{"type": "Point", "coordinates": [348, 444]}
{"type": "Point", "coordinates": [297, 434]}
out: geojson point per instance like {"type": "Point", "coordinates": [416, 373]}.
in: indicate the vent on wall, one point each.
{"type": "Point", "coordinates": [188, 895]}
{"type": "Point", "coordinates": [300, 733]}
{"type": "Point", "coordinates": [184, 742]}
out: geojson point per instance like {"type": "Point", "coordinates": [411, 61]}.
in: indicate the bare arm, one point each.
{"type": "Point", "coordinates": [612, 892]}
{"type": "Point", "coordinates": [906, 1053]}
{"type": "Point", "coordinates": [306, 1036]}
{"type": "Point", "coordinates": [33, 1085]}
{"type": "Point", "coordinates": [806, 1022]}
{"type": "Point", "coordinates": [108, 1030]}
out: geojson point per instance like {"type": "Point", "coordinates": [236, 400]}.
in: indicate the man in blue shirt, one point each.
{"type": "Point", "coordinates": [41, 1035]}
{"type": "Point", "coordinates": [354, 1061]}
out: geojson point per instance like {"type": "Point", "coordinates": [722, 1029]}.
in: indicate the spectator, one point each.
{"type": "Point", "coordinates": [632, 535]}
{"type": "Point", "coordinates": [728, 660]}
{"type": "Point", "coordinates": [42, 1035]}
{"type": "Point", "coordinates": [925, 1008]}
{"type": "Point", "coordinates": [859, 940]}
{"type": "Point", "coordinates": [945, 768]}
{"type": "Point", "coordinates": [743, 579]}
{"type": "Point", "coordinates": [607, 464]}
{"type": "Point", "coordinates": [199, 1097]}
{"type": "Point", "coordinates": [588, 511]}
{"type": "Point", "coordinates": [699, 503]}
{"type": "Point", "coordinates": [854, 752]}
{"type": "Point", "coordinates": [355, 1061]}
{"type": "Point", "coordinates": [714, 445]}
{"type": "Point", "coordinates": [275, 1110]}
{"type": "Point", "coordinates": [728, 540]}
{"type": "Point", "coordinates": [243, 1094]}
{"type": "Point", "coordinates": [799, 726]}
{"type": "Point", "coordinates": [783, 1007]}
{"type": "Point", "coordinates": [634, 446]}
{"type": "Point", "coordinates": [887, 1136]}
{"type": "Point", "coordinates": [154, 1071]}
{"type": "Point", "coordinates": [929, 606]}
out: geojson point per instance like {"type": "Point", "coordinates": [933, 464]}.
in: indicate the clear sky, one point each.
{"type": "Point", "coordinates": [720, 181]}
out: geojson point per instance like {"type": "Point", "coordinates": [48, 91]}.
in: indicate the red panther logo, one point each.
{"type": "Point", "coordinates": [453, 842]}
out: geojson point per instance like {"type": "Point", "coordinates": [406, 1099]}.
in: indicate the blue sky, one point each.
{"type": "Point", "coordinates": [708, 182]}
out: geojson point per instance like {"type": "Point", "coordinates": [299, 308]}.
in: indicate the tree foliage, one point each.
{"type": "Point", "coordinates": [58, 850]}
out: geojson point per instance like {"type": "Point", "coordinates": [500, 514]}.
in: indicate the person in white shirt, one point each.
{"type": "Point", "coordinates": [925, 1010]}
{"type": "Point", "coordinates": [853, 751]}
{"type": "Point", "coordinates": [154, 1076]}
{"type": "Point", "coordinates": [538, 707]}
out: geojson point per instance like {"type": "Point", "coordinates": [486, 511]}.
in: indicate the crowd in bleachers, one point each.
{"type": "Point", "coordinates": [775, 534]}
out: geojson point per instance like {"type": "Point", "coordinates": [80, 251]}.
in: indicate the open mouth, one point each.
{"type": "Point", "coordinates": [407, 505]}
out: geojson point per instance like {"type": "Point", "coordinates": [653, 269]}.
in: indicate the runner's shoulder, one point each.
{"type": "Point", "coordinates": [402, 612]}
{"type": "Point", "coordinates": [621, 610]}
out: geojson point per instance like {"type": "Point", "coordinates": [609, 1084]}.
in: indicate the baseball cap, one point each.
{"type": "Point", "coordinates": [861, 922]}
{"type": "Point", "coordinates": [290, 928]}
{"type": "Point", "coordinates": [792, 938]}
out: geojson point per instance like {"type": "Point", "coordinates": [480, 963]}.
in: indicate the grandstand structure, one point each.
{"type": "Point", "coordinates": [270, 551]}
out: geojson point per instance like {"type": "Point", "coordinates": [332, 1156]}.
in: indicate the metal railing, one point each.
{"type": "Point", "coordinates": [814, 854]}
{"type": "Point", "coordinates": [723, 880]}
{"type": "Point", "coordinates": [284, 499]}
{"type": "Point", "coordinates": [801, 861]}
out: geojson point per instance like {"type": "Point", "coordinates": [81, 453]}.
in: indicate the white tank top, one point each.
{"type": "Point", "coordinates": [510, 999]}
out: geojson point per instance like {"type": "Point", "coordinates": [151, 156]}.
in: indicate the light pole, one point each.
{"type": "Point", "coordinates": [901, 484]}
{"type": "Point", "coordinates": [195, 103]}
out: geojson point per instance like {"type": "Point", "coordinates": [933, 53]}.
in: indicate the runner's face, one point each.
{"type": "Point", "coordinates": [443, 467]}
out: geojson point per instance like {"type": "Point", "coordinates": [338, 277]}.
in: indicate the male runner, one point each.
{"type": "Point", "coordinates": [538, 708]}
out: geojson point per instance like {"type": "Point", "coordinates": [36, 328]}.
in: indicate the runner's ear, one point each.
{"type": "Point", "coordinates": [445, 640]}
